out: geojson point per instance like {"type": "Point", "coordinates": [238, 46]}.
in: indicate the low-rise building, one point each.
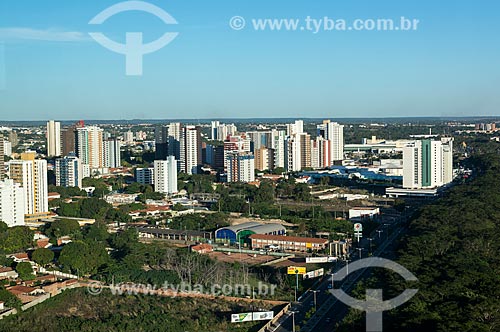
{"type": "Point", "coordinates": [293, 243]}
{"type": "Point", "coordinates": [8, 273]}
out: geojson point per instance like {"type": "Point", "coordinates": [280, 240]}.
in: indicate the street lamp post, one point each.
{"type": "Point", "coordinates": [315, 291]}
{"type": "Point", "coordinates": [370, 248]}
{"type": "Point", "coordinates": [293, 320]}
{"type": "Point", "coordinates": [379, 231]}
{"type": "Point", "coordinates": [360, 250]}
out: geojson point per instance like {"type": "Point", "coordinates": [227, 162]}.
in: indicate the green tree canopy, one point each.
{"type": "Point", "coordinates": [42, 256]}
{"type": "Point", "coordinates": [25, 271]}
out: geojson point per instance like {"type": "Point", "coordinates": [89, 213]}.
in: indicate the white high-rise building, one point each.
{"type": "Point", "coordinates": [31, 175]}
{"type": "Point", "coordinates": [54, 147]}
{"type": "Point", "coordinates": [427, 164]}
{"type": "Point", "coordinates": [214, 130]}
{"type": "Point", "coordinates": [69, 172]}
{"type": "Point", "coordinates": [190, 149]}
{"type": "Point", "coordinates": [220, 131]}
{"type": "Point", "coordinates": [90, 146]}
{"type": "Point", "coordinates": [278, 144]}
{"type": "Point", "coordinates": [333, 132]}
{"type": "Point", "coordinates": [174, 138]}
{"type": "Point", "coordinates": [293, 153]}
{"type": "Point", "coordinates": [128, 137]}
{"type": "Point", "coordinates": [111, 151]}
{"type": "Point", "coordinates": [241, 167]}
{"type": "Point", "coordinates": [447, 159]}
{"type": "Point", "coordinates": [295, 128]}
{"type": "Point", "coordinates": [11, 203]}
{"type": "Point", "coordinates": [165, 176]}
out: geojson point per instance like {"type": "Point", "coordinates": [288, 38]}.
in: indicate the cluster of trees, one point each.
{"type": "Point", "coordinates": [94, 208]}
{"type": "Point", "coordinates": [452, 248]}
{"type": "Point", "coordinates": [14, 239]}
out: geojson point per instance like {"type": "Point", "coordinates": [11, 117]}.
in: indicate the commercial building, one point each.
{"type": "Point", "coordinates": [54, 139]}
{"type": "Point", "coordinates": [144, 175]}
{"type": "Point", "coordinates": [165, 176]}
{"type": "Point", "coordinates": [11, 203]}
{"type": "Point", "coordinates": [240, 167]}
{"type": "Point", "coordinates": [428, 163]}
{"type": "Point", "coordinates": [293, 243]}
{"type": "Point", "coordinates": [69, 172]}
{"type": "Point", "coordinates": [240, 233]}
{"type": "Point", "coordinates": [31, 175]}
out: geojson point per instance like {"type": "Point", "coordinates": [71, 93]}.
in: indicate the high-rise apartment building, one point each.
{"type": "Point", "coordinates": [278, 138]}
{"type": "Point", "coordinates": [241, 167]}
{"type": "Point", "coordinates": [69, 172]}
{"type": "Point", "coordinates": [54, 147]}
{"type": "Point", "coordinates": [174, 137]}
{"type": "Point", "coordinates": [427, 164]}
{"type": "Point", "coordinates": [13, 138]}
{"type": "Point", "coordinates": [111, 151]}
{"type": "Point", "coordinates": [11, 203]}
{"type": "Point", "coordinates": [333, 132]}
{"type": "Point", "coordinates": [264, 159]}
{"type": "Point", "coordinates": [68, 138]}
{"type": "Point", "coordinates": [235, 144]}
{"type": "Point", "coordinates": [90, 146]}
{"type": "Point", "coordinates": [190, 150]}
{"type": "Point", "coordinates": [320, 153]}
{"type": "Point", "coordinates": [304, 140]}
{"type": "Point", "coordinates": [161, 142]}
{"type": "Point", "coordinates": [31, 175]}
{"type": "Point", "coordinates": [220, 131]}
{"type": "Point", "coordinates": [293, 153]}
{"type": "Point", "coordinates": [295, 128]}
{"type": "Point", "coordinates": [165, 176]}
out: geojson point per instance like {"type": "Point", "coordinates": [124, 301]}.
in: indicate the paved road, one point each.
{"type": "Point", "coordinates": [326, 317]}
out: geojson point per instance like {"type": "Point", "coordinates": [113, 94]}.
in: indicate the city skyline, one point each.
{"type": "Point", "coordinates": [210, 71]}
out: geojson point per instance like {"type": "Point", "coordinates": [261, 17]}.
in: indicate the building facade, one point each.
{"type": "Point", "coordinates": [31, 175]}
{"type": "Point", "coordinates": [54, 147]}
{"type": "Point", "coordinates": [165, 176]}
{"type": "Point", "coordinates": [11, 203]}
{"type": "Point", "coordinates": [69, 172]}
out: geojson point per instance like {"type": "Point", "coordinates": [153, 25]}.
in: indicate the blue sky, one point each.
{"type": "Point", "coordinates": [450, 66]}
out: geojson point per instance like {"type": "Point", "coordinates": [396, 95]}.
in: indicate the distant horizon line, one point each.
{"type": "Point", "coordinates": [249, 120]}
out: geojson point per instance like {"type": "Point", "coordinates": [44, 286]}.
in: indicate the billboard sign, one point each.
{"type": "Point", "coordinates": [243, 317]}
{"type": "Point", "coordinates": [263, 315]}
{"type": "Point", "coordinates": [316, 259]}
{"type": "Point", "coordinates": [296, 270]}
{"type": "Point", "coordinates": [314, 274]}
{"type": "Point", "coordinates": [251, 316]}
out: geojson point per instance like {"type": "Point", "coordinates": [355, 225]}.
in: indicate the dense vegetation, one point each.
{"type": "Point", "coordinates": [453, 249]}
{"type": "Point", "coordinates": [76, 310]}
